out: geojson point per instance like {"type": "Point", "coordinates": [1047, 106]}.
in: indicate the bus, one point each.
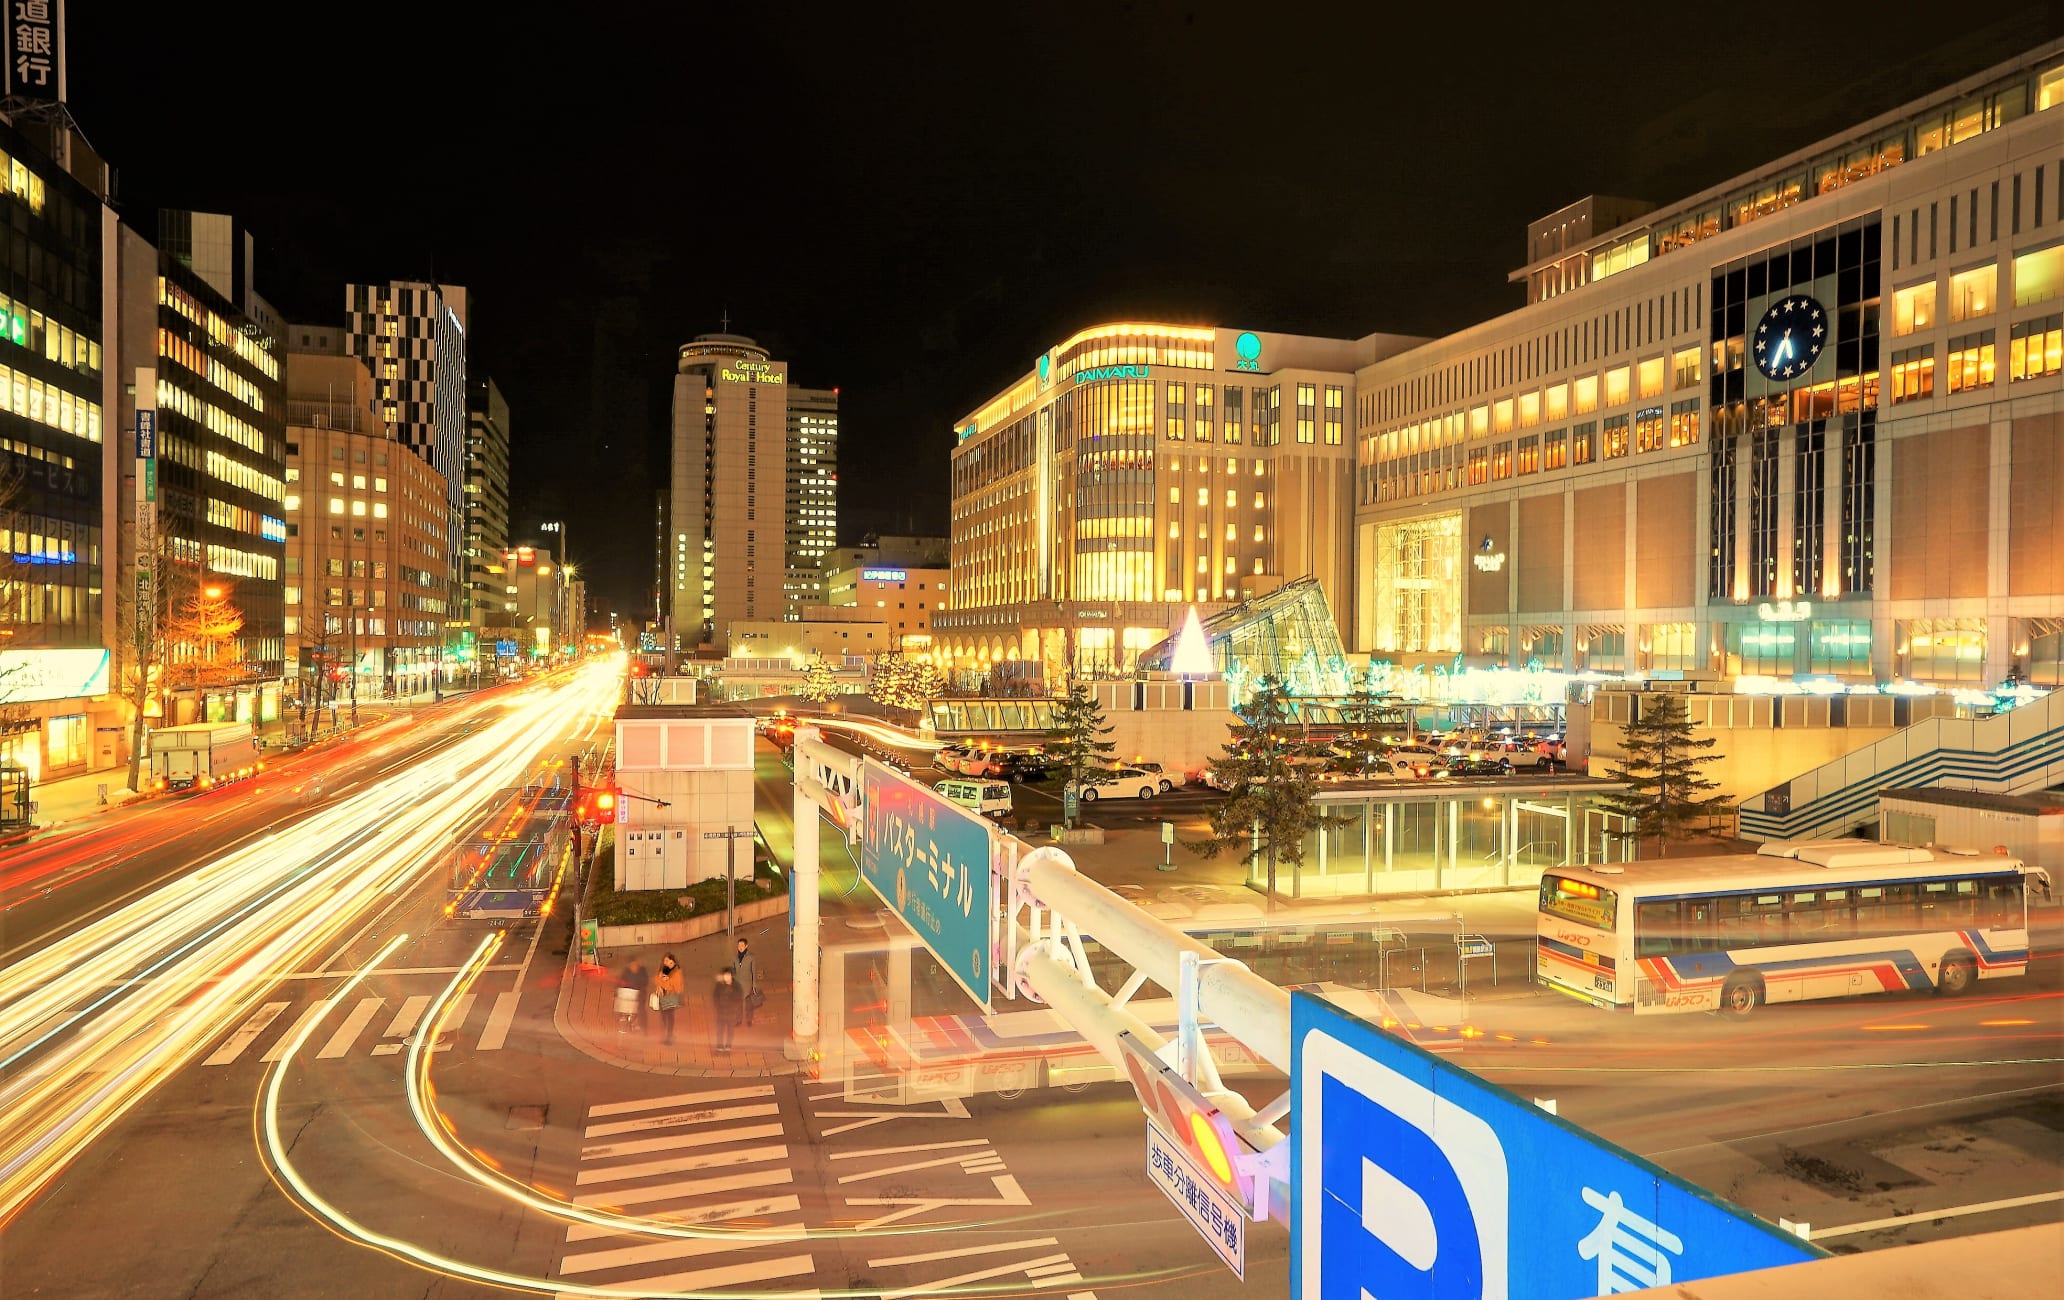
{"type": "Point", "coordinates": [1795, 920]}
{"type": "Point", "coordinates": [510, 868]}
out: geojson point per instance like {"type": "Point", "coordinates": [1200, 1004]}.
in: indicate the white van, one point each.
{"type": "Point", "coordinates": [989, 798]}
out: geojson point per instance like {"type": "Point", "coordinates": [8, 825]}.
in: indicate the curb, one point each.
{"type": "Point", "coordinates": [581, 1043]}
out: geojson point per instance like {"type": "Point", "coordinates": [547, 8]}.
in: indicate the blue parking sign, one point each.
{"type": "Point", "coordinates": [1412, 1178]}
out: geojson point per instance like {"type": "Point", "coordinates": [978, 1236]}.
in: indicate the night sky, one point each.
{"type": "Point", "coordinates": [910, 202]}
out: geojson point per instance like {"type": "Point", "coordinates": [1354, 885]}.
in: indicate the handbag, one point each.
{"type": "Point", "coordinates": [652, 1001]}
{"type": "Point", "coordinates": [755, 999]}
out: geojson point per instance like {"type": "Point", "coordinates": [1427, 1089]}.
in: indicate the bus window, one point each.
{"type": "Point", "coordinates": [1752, 920]}
{"type": "Point", "coordinates": [1807, 917]}
{"type": "Point", "coordinates": [1948, 904]}
{"type": "Point", "coordinates": [1699, 919]}
{"type": "Point", "coordinates": [1658, 928]}
{"type": "Point", "coordinates": [2003, 904]}
{"type": "Point", "coordinates": [1579, 901]}
{"type": "Point", "coordinates": [1836, 921]}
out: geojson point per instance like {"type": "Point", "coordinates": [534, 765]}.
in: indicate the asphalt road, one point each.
{"type": "Point", "coordinates": [1837, 1113]}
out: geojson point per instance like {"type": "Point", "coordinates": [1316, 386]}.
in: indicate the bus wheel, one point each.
{"type": "Point", "coordinates": [1741, 996]}
{"type": "Point", "coordinates": [1957, 975]}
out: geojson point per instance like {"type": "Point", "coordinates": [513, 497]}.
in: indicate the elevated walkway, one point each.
{"type": "Point", "coordinates": [2011, 753]}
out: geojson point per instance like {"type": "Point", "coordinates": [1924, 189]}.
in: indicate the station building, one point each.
{"type": "Point", "coordinates": [1803, 424]}
{"type": "Point", "coordinates": [1138, 469]}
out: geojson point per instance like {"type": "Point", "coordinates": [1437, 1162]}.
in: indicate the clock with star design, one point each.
{"type": "Point", "coordinates": [1790, 336]}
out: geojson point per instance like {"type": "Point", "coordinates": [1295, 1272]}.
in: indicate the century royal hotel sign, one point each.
{"type": "Point", "coordinates": [750, 372]}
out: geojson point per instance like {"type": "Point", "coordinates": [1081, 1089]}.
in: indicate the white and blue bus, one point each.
{"type": "Point", "coordinates": [1795, 920]}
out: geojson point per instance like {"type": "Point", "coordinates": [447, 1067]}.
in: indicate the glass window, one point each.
{"type": "Point", "coordinates": [1684, 422]}
{"type": "Point", "coordinates": [1579, 901]}
{"type": "Point", "coordinates": [2039, 275]}
{"type": "Point", "coordinates": [2049, 87]}
{"type": "Point", "coordinates": [1529, 409]}
{"type": "Point", "coordinates": [1913, 374]}
{"type": "Point", "coordinates": [1501, 415]}
{"type": "Point", "coordinates": [1974, 292]}
{"type": "Point", "coordinates": [1583, 442]}
{"type": "Point", "coordinates": [1587, 394]}
{"type": "Point", "coordinates": [1970, 361]}
{"type": "Point", "coordinates": [1529, 454]}
{"type": "Point", "coordinates": [1615, 437]}
{"type": "Point", "coordinates": [1558, 402]}
{"type": "Point", "coordinates": [1555, 449]}
{"type": "Point", "coordinates": [2037, 348]}
{"type": "Point", "coordinates": [1649, 376]}
{"type": "Point", "coordinates": [1659, 928]}
{"type": "Point", "coordinates": [1913, 308]}
{"type": "Point", "coordinates": [1616, 386]}
{"type": "Point", "coordinates": [1648, 429]}
{"type": "Point", "coordinates": [1684, 368]}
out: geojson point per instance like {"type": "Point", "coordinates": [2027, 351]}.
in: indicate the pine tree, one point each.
{"type": "Point", "coordinates": [1077, 739]}
{"type": "Point", "coordinates": [1667, 794]}
{"type": "Point", "coordinates": [1361, 714]}
{"type": "Point", "coordinates": [1273, 803]}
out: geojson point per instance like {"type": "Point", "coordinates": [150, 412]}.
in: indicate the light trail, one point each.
{"type": "Point", "coordinates": [95, 1021]}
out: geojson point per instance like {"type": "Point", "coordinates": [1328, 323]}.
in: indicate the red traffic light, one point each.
{"type": "Point", "coordinates": [1189, 1118]}
{"type": "Point", "coordinates": [605, 803]}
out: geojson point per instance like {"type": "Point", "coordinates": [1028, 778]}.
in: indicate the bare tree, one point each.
{"type": "Point", "coordinates": [203, 628]}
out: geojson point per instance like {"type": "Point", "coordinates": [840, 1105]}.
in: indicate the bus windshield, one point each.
{"type": "Point", "coordinates": [1579, 901]}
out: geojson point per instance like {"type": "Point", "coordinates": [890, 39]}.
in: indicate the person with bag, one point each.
{"type": "Point", "coordinates": [633, 980]}
{"type": "Point", "coordinates": [724, 1003]}
{"type": "Point", "coordinates": [747, 973]}
{"type": "Point", "coordinates": [666, 993]}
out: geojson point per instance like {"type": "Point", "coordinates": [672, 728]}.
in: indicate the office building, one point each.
{"type": "Point", "coordinates": [487, 499]}
{"type": "Point", "coordinates": [62, 456]}
{"type": "Point", "coordinates": [1805, 424]}
{"type": "Point", "coordinates": [728, 562]}
{"type": "Point", "coordinates": [189, 312]}
{"type": "Point", "coordinates": [812, 494]}
{"type": "Point", "coordinates": [905, 599]}
{"type": "Point", "coordinates": [365, 557]}
{"type": "Point", "coordinates": [537, 596]}
{"type": "Point", "coordinates": [412, 336]}
{"type": "Point", "coordinates": [1139, 469]}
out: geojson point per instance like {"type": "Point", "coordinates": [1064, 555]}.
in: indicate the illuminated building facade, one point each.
{"type": "Point", "coordinates": [812, 495]}
{"type": "Point", "coordinates": [729, 561]}
{"type": "Point", "coordinates": [365, 540]}
{"type": "Point", "coordinates": [61, 458]}
{"type": "Point", "coordinates": [1136, 470]}
{"type": "Point", "coordinates": [189, 311]}
{"type": "Point", "coordinates": [1804, 424]}
{"type": "Point", "coordinates": [487, 499]}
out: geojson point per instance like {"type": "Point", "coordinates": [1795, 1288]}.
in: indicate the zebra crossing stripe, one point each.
{"type": "Point", "coordinates": [246, 1034]}
{"type": "Point", "coordinates": [677, 1248]}
{"type": "Point", "coordinates": [765, 1270]}
{"type": "Point", "coordinates": [760, 1209]}
{"type": "Point", "coordinates": [682, 1164]}
{"type": "Point", "coordinates": [498, 1022]}
{"type": "Point", "coordinates": [316, 1011]}
{"type": "Point", "coordinates": [679, 1099]}
{"type": "Point", "coordinates": [405, 1019]}
{"type": "Point", "coordinates": [678, 1121]}
{"type": "Point", "coordinates": [677, 1141]}
{"type": "Point", "coordinates": [340, 1042]}
{"type": "Point", "coordinates": [688, 1187]}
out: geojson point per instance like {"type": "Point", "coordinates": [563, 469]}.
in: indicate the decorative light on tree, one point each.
{"type": "Point", "coordinates": [1192, 651]}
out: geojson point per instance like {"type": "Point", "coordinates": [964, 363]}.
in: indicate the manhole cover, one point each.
{"type": "Point", "coordinates": [526, 1118]}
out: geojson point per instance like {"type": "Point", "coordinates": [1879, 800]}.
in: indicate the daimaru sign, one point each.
{"type": "Point", "coordinates": [1095, 373]}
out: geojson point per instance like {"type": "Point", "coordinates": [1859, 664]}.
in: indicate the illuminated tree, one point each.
{"type": "Point", "coordinates": [203, 627]}
{"type": "Point", "coordinates": [1667, 796]}
{"type": "Point", "coordinates": [820, 683]}
{"type": "Point", "coordinates": [1361, 716]}
{"type": "Point", "coordinates": [1273, 804]}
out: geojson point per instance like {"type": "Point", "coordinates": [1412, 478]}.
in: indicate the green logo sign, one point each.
{"type": "Point", "coordinates": [1248, 348]}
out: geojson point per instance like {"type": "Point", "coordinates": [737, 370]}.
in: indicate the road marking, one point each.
{"type": "Point", "coordinates": [676, 1121]}
{"type": "Point", "coordinates": [406, 1018]}
{"type": "Point", "coordinates": [897, 1151]}
{"type": "Point", "coordinates": [712, 1278]}
{"type": "Point", "coordinates": [1049, 1270]}
{"type": "Point", "coordinates": [611, 1150]}
{"type": "Point", "coordinates": [316, 1011]}
{"type": "Point", "coordinates": [948, 1283]}
{"type": "Point", "coordinates": [455, 1013]}
{"type": "Point", "coordinates": [708, 1214]}
{"type": "Point", "coordinates": [682, 1164]}
{"type": "Point", "coordinates": [340, 1042]}
{"type": "Point", "coordinates": [678, 1099]}
{"type": "Point", "coordinates": [677, 1248]}
{"type": "Point", "coordinates": [968, 1161]}
{"type": "Point", "coordinates": [1069, 1278]}
{"type": "Point", "coordinates": [691, 1187]}
{"type": "Point", "coordinates": [965, 1251]}
{"type": "Point", "coordinates": [498, 1022]}
{"type": "Point", "coordinates": [1929, 1216]}
{"type": "Point", "coordinates": [242, 1038]}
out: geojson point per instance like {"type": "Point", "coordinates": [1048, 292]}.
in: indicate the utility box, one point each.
{"type": "Point", "coordinates": [652, 858]}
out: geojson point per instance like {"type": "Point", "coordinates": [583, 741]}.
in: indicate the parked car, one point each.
{"type": "Point", "coordinates": [1025, 767]}
{"type": "Point", "coordinates": [1171, 778]}
{"type": "Point", "coordinates": [1120, 783]}
{"type": "Point", "coordinates": [989, 798]}
{"type": "Point", "coordinates": [1411, 752]}
{"type": "Point", "coordinates": [1373, 769]}
{"type": "Point", "coordinates": [1500, 766]}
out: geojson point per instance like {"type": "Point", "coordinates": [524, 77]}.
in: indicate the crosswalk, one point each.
{"type": "Point", "coordinates": [490, 1035]}
{"type": "Point", "coordinates": [713, 1160]}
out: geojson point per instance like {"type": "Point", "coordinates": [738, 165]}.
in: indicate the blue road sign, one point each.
{"type": "Point", "coordinates": [1410, 1177]}
{"type": "Point", "coordinates": [928, 859]}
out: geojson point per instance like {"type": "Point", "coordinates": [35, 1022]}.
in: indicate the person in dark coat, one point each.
{"type": "Point", "coordinates": [724, 1003]}
{"type": "Point", "coordinates": [746, 973]}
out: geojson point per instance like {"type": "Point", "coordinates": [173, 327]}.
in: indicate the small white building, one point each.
{"type": "Point", "coordinates": [2025, 826]}
{"type": "Point", "coordinates": [686, 773]}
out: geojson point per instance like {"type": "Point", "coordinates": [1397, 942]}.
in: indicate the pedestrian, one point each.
{"type": "Point", "coordinates": [635, 978]}
{"type": "Point", "coordinates": [747, 973]}
{"type": "Point", "coordinates": [666, 993]}
{"type": "Point", "coordinates": [724, 1001]}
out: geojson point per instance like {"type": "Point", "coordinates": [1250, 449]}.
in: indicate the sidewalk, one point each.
{"type": "Point", "coordinates": [586, 1014]}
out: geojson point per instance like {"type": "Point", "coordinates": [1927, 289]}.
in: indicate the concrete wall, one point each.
{"type": "Point", "coordinates": [1149, 723]}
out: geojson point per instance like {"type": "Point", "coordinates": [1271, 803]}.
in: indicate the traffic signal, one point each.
{"type": "Point", "coordinates": [605, 805]}
{"type": "Point", "coordinates": [1189, 1119]}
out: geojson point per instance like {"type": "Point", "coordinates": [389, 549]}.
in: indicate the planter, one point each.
{"type": "Point", "coordinates": [1080, 835]}
{"type": "Point", "coordinates": [695, 927]}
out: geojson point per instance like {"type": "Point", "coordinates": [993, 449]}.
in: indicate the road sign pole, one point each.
{"type": "Point", "coordinates": [1167, 846]}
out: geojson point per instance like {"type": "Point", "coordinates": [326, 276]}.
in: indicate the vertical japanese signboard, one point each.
{"type": "Point", "coordinates": [35, 48]}
{"type": "Point", "coordinates": [1413, 1179]}
{"type": "Point", "coordinates": [928, 859]}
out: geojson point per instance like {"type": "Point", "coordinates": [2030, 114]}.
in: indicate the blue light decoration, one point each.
{"type": "Point", "coordinates": [1248, 348]}
{"type": "Point", "coordinates": [272, 530]}
{"type": "Point", "coordinates": [66, 556]}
